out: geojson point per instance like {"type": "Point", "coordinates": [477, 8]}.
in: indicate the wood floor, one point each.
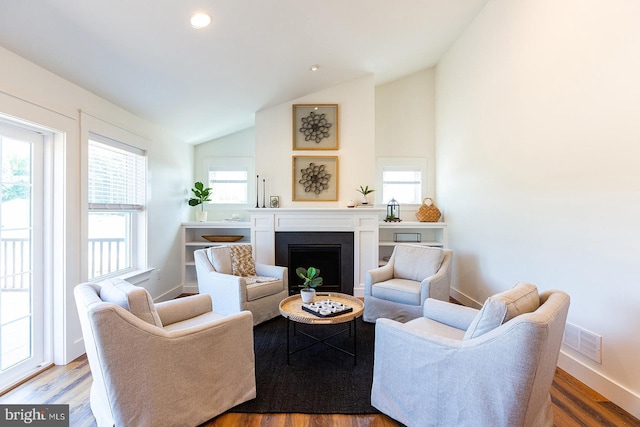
{"type": "Point", "coordinates": [574, 404]}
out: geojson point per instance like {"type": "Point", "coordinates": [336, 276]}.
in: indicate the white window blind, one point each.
{"type": "Point", "coordinates": [116, 175]}
{"type": "Point", "coordinates": [229, 184]}
{"type": "Point", "coordinates": [402, 183]}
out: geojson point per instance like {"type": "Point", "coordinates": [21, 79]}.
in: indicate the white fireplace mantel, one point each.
{"type": "Point", "coordinates": [363, 222]}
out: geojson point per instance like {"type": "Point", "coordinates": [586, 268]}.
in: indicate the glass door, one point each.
{"type": "Point", "coordinates": [21, 253]}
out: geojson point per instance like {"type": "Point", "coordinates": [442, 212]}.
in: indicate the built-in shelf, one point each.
{"type": "Point", "coordinates": [192, 240]}
{"type": "Point", "coordinates": [424, 233]}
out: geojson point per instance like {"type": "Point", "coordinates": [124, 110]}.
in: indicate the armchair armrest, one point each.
{"type": "Point", "coordinates": [180, 309]}
{"type": "Point", "coordinates": [377, 275]}
{"type": "Point", "coordinates": [454, 315]}
{"type": "Point", "coordinates": [438, 285]}
{"type": "Point", "coordinates": [228, 292]}
{"type": "Point", "coordinates": [271, 271]}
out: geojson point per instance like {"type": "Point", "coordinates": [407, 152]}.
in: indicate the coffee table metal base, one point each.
{"type": "Point", "coordinates": [317, 340]}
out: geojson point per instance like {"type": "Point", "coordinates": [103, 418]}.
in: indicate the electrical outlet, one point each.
{"type": "Point", "coordinates": [583, 341]}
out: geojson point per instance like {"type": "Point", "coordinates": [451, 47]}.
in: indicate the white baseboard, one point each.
{"type": "Point", "coordinates": [464, 299]}
{"type": "Point", "coordinates": [358, 291]}
{"type": "Point", "coordinates": [174, 293]}
{"type": "Point", "coordinates": [618, 394]}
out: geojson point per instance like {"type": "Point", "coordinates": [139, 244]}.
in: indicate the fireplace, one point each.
{"type": "Point", "coordinates": [331, 252]}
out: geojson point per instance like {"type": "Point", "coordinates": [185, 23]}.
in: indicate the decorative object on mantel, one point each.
{"type": "Point", "coordinates": [364, 191]}
{"type": "Point", "coordinates": [274, 201]}
{"type": "Point", "coordinates": [393, 211]}
{"type": "Point", "coordinates": [428, 212]}
{"type": "Point", "coordinates": [351, 204]}
{"type": "Point", "coordinates": [263, 191]}
{"type": "Point", "coordinates": [315, 126]}
{"type": "Point", "coordinates": [315, 178]}
{"type": "Point", "coordinates": [222, 238]}
{"type": "Point", "coordinates": [201, 195]}
{"type": "Point", "coordinates": [312, 280]}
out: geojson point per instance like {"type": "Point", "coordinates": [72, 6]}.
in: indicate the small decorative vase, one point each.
{"type": "Point", "coordinates": [201, 216]}
{"type": "Point", "coordinates": [308, 295]}
{"type": "Point", "coordinates": [364, 200]}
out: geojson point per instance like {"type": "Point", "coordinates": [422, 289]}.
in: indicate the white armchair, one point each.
{"type": "Point", "coordinates": [175, 363]}
{"type": "Point", "coordinates": [458, 366]}
{"type": "Point", "coordinates": [236, 283]}
{"type": "Point", "coordinates": [399, 289]}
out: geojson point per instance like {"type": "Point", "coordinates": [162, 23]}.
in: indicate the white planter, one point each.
{"type": "Point", "coordinates": [201, 216]}
{"type": "Point", "coordinates": [308, 295]}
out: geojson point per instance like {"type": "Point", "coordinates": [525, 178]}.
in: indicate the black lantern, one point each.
{"type": "Point", "coordinates": [393, 211]}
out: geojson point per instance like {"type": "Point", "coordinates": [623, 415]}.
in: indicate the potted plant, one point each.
{"type": "Point", "coordinates": [312, 280]}
{"type": "Point", "coordinates": [364, 191]}
{"type": "Point", "coordinates": [201, 195]}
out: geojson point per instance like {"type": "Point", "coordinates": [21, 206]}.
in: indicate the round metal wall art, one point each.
{"type": "Point", "coordinates": [314, 178]}
{"type": "Point", "coordinates": [315, 127]}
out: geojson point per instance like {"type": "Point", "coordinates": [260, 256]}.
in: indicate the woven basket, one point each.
{"type": "Point", "coordinates": [428, 212]}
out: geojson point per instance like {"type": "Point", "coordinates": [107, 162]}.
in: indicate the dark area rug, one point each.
{"type": "Point", "coordinates": [319, 379]}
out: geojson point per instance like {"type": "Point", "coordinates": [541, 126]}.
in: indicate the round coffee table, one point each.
{"type": "Point", "coordinates": [291, 309]}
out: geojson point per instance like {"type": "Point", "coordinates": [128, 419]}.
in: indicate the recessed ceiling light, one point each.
{"type": "Point", "coordinates": [200, 20]}
{"type": "Point", "coordinates": [314, 67]}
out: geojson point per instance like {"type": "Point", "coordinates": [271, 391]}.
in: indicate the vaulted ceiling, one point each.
{"type": "Point", "coordinates": [144, 56]}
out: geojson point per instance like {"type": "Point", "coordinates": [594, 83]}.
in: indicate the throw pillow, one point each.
{"type": "Point", "coordinates": [242, 263]}
{"type": "Point", "coordinates": [502, 307]}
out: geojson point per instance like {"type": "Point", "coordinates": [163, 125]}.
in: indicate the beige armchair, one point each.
{"type": "Point", "coordinates": [457, 366]}
{"type": "Point", "coordinates": [235, 282]}
{"type": "Point", "coordinates": [175, 363]}
{"type": "Point", "coordinates": [399, 289]}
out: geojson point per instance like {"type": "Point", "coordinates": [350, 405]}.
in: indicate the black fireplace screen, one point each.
{"type": "Point", "coordinates": [331, 252]}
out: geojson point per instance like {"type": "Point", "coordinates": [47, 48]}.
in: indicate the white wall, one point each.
{"type": "Point", "coordinates": [273, 147]}
{"type": "Point", "coordinates": [405, 128]}
{"type": "Point", "coordinates": [538, 141]}
{"type": "Point", "coordinates": [38, 96]}
{"type": "Point", "coordinates": [238, 144]}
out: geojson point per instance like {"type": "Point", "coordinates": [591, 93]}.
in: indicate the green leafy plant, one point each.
{"type": "Point", "coordinates": [201, 195]}
{"type": "Point", "coordinates": [365, 190]}
{"type": "Point", "coordinates": [311, 277]}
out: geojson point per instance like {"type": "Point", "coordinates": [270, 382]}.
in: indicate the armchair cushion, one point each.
{"type": "Point", "coordinates": [261, 288]}
{"type": "Point", "coordinates": [416, 262]}
{"type": "Point", "coordinates": [502, 307]}
{"type": "Point", "coordinates": [220, 257]}
{"type": "Point", "coordinates": [242, 263]}
{"type": "Point", "coordinates": [425, 327]}
{"type": "Point", "coordinates": [404, 291]}
{"type": "Point", "coordinates": [132, 298]}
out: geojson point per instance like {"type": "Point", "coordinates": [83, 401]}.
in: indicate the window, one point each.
{"type": "Point", "coordinates": [116, 189]}
{"type": "Point", "coordinates": [229, 184]}
{"type": "Point", "coordinates": [402, 184]}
